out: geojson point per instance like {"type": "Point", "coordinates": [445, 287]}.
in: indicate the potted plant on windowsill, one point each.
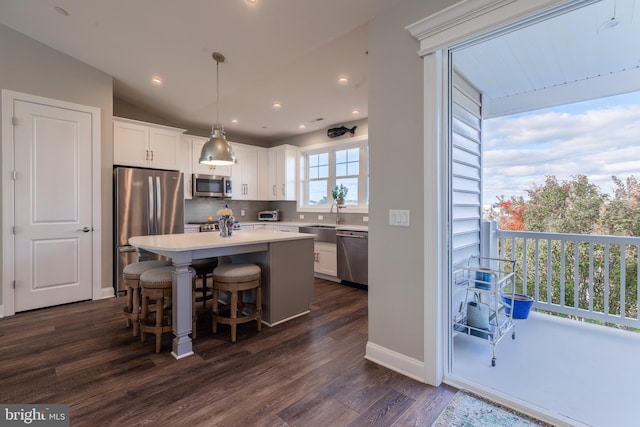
{"type": "Point", "coordinates": [339, 193]}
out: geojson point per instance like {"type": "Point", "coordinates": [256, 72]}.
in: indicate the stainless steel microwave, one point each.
{"type": "Point", "coordinates": [210, 185]}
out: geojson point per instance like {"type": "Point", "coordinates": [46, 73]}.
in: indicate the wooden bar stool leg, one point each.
{"type": "Point", "coordinates": [159, 311]}
{"type": "Point", "coordinates": [214, 308]}
{"type": "Point", "coordinates": [259, 307]}
{"type": "Point", "coordinates": [129, 306]}
{"type": "Point", "coordinates": [234, 314]}
{"type": "Point", "coordinates": [144, 312]}
{"type": "Point", "coordinates": [136, 304]}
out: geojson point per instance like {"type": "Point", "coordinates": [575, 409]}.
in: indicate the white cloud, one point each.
{"type": "Point", "coordinates": [585, 139]}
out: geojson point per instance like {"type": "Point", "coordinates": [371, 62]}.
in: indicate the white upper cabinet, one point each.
{"type": "Point", "coordinates": [249, 174]}
{"type": "Point", "coordinates": [145, 144]}
{"type": "Point", "coordinates": [185, 165]}
{"type": "Point", "coordinates": [282, 172]}
{"type": "Point", "coordinates": [197, 143]}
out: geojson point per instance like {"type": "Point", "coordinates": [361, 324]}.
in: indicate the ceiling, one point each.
{"type": "Point", "coordinates": [294, 51]}
{"type": "Point", "coordinates": [289, 51]}
{"type": "Point", "coordinates": [557, 59]}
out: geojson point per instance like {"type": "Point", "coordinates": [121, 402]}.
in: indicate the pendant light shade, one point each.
{"type": "Point", "coordinates": [217, 150]}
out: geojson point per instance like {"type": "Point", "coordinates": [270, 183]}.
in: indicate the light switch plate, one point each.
{"type": "Point", "coordinates": [399, 217]}
{"type": "Point", "coordinates": [301, 216]}
{"type": "Point", "coordinates": [241, 212]}
{"type": "Point", "coordinates": [365, 219]}
{"type": "Point", "coordinates": [320, 217]}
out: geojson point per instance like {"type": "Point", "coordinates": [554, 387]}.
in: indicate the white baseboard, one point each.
{"type": "Point", "coordinates": [107, 292]}
{"type": "Point", "coordinates": [1, 310]}
{"type": "Point", "coordinates": [327, 277]}
{"type": "Point", "coordinates": [395, 361]}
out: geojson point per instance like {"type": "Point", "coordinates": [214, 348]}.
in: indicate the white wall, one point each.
{"type": "Point", "coordinates": [31, 67]}
{"type": "Point", "coordinates": [396, 143]}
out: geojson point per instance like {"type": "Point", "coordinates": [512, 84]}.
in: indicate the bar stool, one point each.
{"type": "Point", "coordinates": [131, 280]}
{"type": "Point", "coordinates": [204, 269]}
{"type": "Point", "coordinates": [156, 289]}
{"type": "Point", "coordinates": [235, 279]}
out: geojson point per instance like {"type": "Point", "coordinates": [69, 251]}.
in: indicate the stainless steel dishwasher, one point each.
{"type": "Point", "coordinates": [353, 256]}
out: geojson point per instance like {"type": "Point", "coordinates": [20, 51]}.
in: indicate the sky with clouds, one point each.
{"type": "Point", "coordinates": [598, 138]}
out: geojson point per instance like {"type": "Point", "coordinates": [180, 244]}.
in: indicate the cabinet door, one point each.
{"type": "Point", "coordinates": [130, 144]}
{"type": "Point", "coordinates": [272, 176]}
{"type": "Point", "coordinates": [325, 260]}
{"type": "Point", "coordinates": [237, 174]}
{"type": "Point", "coordinates": [287, 179]}
{"type": "Point", "coordinates": [250, 174]}
{"type": "Point", "coordinates": [185, 165]}
{"type": "Point", "coordinates": [262, 175]}
{"type": "Point", "coordinates": [164, 148]}
{"type": "Point", "coordinates": [282, 173]}
{"type": "Point", "coordinates": [196, 148]}
{"type": "Point", "coordinates": [245, 173]}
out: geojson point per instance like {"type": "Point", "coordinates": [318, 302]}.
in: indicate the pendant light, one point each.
{"type": "Point", "coordinates": [217, 150]}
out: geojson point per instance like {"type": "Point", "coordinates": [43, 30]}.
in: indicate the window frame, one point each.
{"type": "Point", "coordinates": [361, 142]}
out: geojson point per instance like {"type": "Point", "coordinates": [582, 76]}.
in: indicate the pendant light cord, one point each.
{"type": "Point", "coordinates": [217, 92]}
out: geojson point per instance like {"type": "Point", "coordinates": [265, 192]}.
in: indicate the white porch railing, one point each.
{"type": "Point", "coordinates": [582, 276]}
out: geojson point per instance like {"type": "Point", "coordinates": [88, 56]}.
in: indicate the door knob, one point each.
{"type": "Point", "coordinates": [85, 229]}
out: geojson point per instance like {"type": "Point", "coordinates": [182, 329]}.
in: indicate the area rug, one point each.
{"type": "Point", "coordinates": [467, 410]}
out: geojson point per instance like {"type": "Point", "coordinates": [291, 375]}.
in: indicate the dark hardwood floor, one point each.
{"type": "Point", "coordinates": [310, 371]}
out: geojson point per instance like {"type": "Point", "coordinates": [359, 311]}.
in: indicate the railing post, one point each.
{"type": "Point", "coordinates": [489, 239]}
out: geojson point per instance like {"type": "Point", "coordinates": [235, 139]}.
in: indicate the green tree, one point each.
{"type": "Point", "coordinates": [564, 207]}
{"type": "Point", "coordinates": [622, 215]}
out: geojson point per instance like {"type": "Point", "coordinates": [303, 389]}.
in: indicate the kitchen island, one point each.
{"type": "Point", "coordinates": [286, 260]}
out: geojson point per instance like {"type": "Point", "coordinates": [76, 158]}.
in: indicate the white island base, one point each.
{"type": "Point", "coordinates": [286, 260]}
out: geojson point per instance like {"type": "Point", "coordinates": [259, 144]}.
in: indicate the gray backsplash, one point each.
{"type": "Point", "coordinates": [198, 209]}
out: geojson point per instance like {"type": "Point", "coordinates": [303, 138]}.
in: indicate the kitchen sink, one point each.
{"type": "Point", "coordinates": [323, 233]}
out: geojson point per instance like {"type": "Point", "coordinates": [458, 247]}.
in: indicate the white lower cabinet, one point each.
{"type": "Point", "coordinates": [324, 258]}
{"type": "Point", "coordinates": [278, 227]}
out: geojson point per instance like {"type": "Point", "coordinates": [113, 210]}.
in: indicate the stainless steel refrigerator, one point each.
{"type": "Point", "coordinates": [146, 202]}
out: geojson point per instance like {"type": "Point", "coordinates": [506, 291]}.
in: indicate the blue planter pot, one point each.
{"type": "Point", "coordinates": [521, 305]}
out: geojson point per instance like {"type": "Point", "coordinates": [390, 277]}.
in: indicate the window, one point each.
{"type": "Point", "coordinates": [323, 167]}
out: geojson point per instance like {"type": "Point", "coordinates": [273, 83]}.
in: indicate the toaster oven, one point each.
{"type": "Point", "coordinates": [269, 215]}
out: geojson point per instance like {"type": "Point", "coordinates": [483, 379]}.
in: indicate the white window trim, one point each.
{"type": "Point", "coordinates": [352, 142]}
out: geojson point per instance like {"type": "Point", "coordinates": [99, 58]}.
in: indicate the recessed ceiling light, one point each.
{"type": "Point", "coordinates": [234, 121]}
{"type": "Point", "coordinates": [301, 126]}
{"type": "Point", "coordinates": [156, 80]}
{"type": "Point", "coordinates": [251, 1]}
{"type": "Point", "coordinates": [355, 112]}
{"type": "Point", "coordinates": [61, 11]}
{"type": "Point", "coordinates": [276, 105]}
{"type": "Point", "coordinates": [343, 80]}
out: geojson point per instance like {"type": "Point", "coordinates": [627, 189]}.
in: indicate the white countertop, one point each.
{"type": "Point", "coordinates": [307, 224]}
{"type": "Point", "coordinates": [195, 241]}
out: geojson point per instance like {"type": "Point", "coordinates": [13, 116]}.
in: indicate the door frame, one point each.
{"type": "Point", "coordinates": [437, 33]}
{"type": "Point", "coordinates": [7, 307]}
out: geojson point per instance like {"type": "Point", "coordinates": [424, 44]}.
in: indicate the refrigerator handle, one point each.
{"type": "Point", "coordinates": [151, 207]}
{"type": "Point", "coordinates": [158, 205]}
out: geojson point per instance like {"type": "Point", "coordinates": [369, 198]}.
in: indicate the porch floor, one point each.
{"type": "Point", "coordinates": [584, 372]}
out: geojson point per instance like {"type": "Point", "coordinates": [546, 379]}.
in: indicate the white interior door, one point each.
{"type": "Point", "coordinates": [53, 205]}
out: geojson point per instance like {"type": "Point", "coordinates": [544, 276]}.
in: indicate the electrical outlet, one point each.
{"type": "Point", "coordinates": [365, 219]}
{"type": "Point", "coordinates": [301, 216]}
{"type": "Point", "coordinates": [241, 212]}
{"type": "Point", "coordinates": [320, 217]}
